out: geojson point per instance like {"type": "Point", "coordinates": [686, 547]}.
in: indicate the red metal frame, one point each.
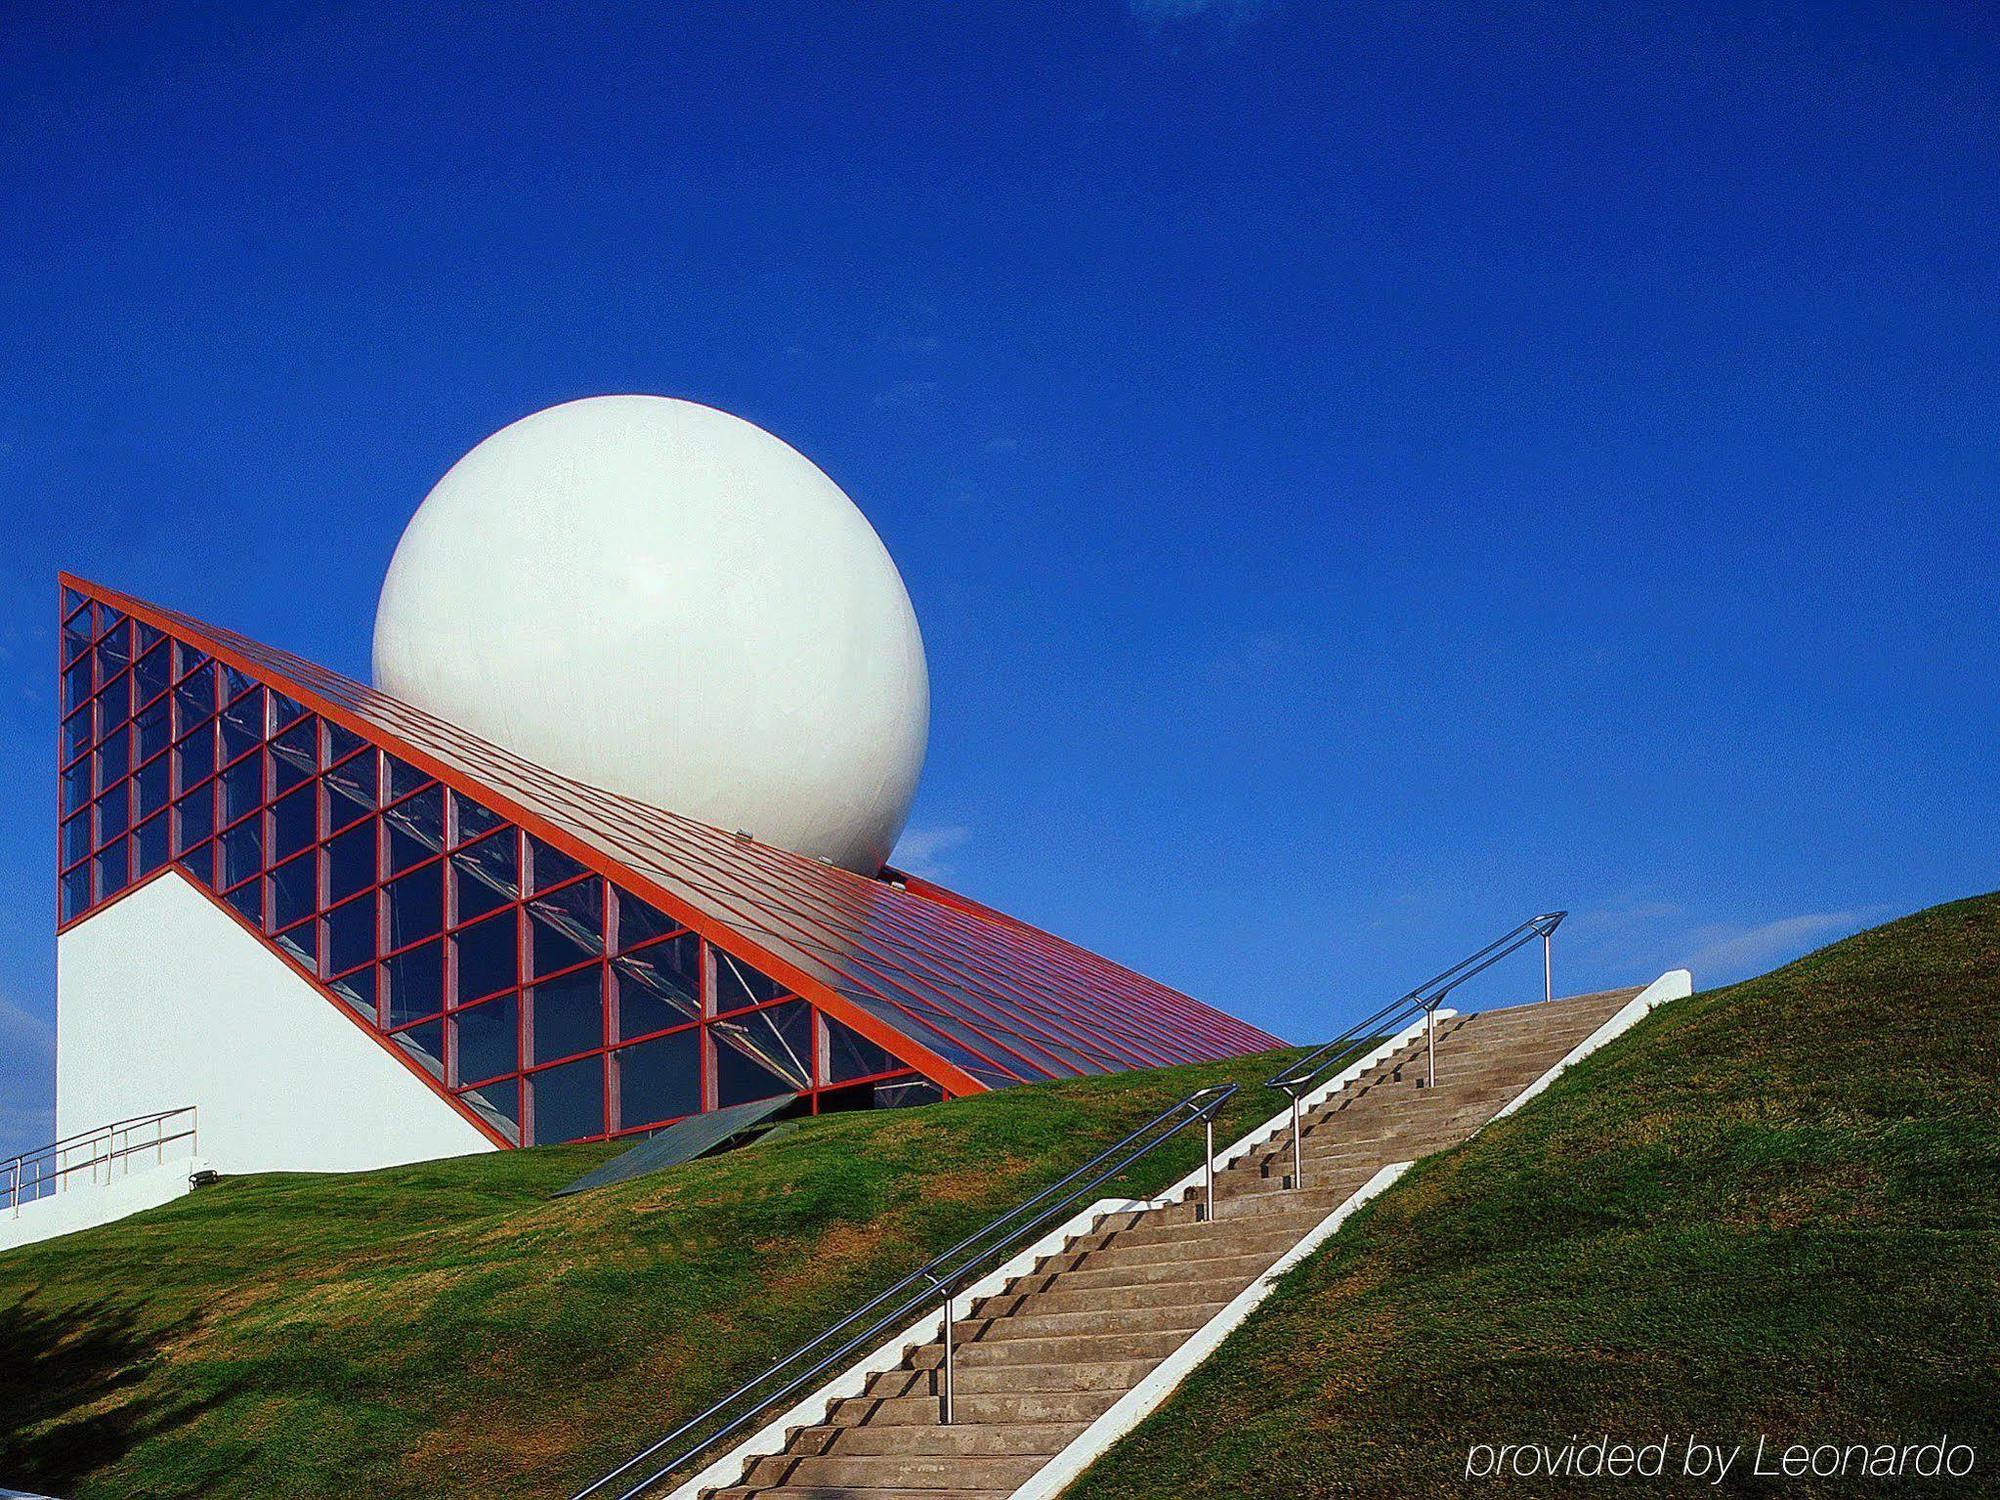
{"type": "Point", "coordinates": [914, 969]}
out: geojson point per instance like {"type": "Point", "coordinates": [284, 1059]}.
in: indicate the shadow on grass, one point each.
{"type": "Point", "coordinates": [68, 1396]}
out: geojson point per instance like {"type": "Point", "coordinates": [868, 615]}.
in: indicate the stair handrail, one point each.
{"type": "Point", "coordinates": [936, 1280]}
{"type": "Point", "coordinates": [31, 1175]}
{"type": "Point", "coordinates": [1301, 1076]}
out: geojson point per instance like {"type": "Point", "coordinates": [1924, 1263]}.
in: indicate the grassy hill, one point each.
{"type": "Point", "coordinates": [1774, 1208]}
{"type": "Point", "coordinates": [445, 1329]}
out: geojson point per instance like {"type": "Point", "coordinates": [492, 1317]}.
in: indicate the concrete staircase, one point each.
{"type": "Point", "coordinates": [1037, 1363]}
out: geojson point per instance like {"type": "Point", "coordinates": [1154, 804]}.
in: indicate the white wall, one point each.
{"type": "Point", "coordinates": [163, 1000]}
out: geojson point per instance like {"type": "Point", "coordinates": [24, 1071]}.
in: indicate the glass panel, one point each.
{"type": "Point", "coordinates": [196, 817]}
{"type": "Point", "coordinates": [200, 863]}
{"type": "Point", "coordinates": [112, 871]}
{"type": "Point", "coordinates": [242, 852]}
{"type": "Point", "coordinates": [75, 636]}
{"type": "Point", "coordinates": [292, 823]}
{"type": "Point", "coordinates": [113, 654]}
{"type": "Point", "coordinates": [489, 1039]}
{"type": "Point", "coordinates": [577, 913]}
{"type": "Point", "coordinates": [248, 902]}
{"type": "Point", "coordinates": [416, 905]}
{"type": "Point", "coordinates": [568, 1014]}
{"type": "Point", "coordinates": [485, 875]}
{"type": "Point", "coordinates": [76, 684]}
{"type": "Point", "coordinates": [298, 943]}
{"type": "Point", "coordinates": [350, 788]}
{"type": "Point", "coordinates": [416, 828]}
{"type": "Point", "coordinates": [738, 984]}
{"type": "Point", "coordinates": [350, 861]}
{"type": "Point", "coordinates": [553, 949]}
{"type": "Point", "coordinates": [151, 845]}
{"type": "Point", "coordinates": [293, 756]}
{"type": "Point", "coordinates": [763, 1053]}
{"type": "Point", "coordinates": [146, 636]}
{"type": "Point", "coordinates": [155, 728]}
{"type": "Point", "coordinates": [76, 840]}
{"type": "Point", "coordinates": [186, 659]}
{"type": "Point", "coordinates": [294, 891]}
{"type": "Point", "coordinates": [235, 682]}
{"type": "Point", "coordinates": [904, 1095]}
{"type": "Point", "coordinates": [114, 757]}
{"type": "Point", "coordinates": [416, 983]}
{"type": "Point", "coordinates": [284, 710]}
{"type": "Point", "coordinates": [568, 1101]}
{"type": "Point", "coordinates": [113, 814]}
{"type": "Point", "coordinates": [78, 730]}
{"type": "Point", "coordinates": [489, 957]}
{"type": "Point", "coordinates": [195, 757]}
{"type": "Point", "coordinates": [76, 785]}
{"type": "Point", "coordinates": [499, 1105]}
{"type": "Point", "coordinates": [149, 677]}
{"type": "Point", "coordinates": [340, 743]}
{"type": "Point", "coordinates": [850, 1055]}
{"type": "Point", "coordinates": [638, 921]}
{"type": "Point", "coordinates": [243, 787]}
{"type": "Point", "coordinates": [659, 986]}
{"type": "Point", "coordinates": [150, 786]}
{"type": "Point", "coordinates": [405, 778]}
{"type": "Point", "coordinates": [426, 1044]}
{"type": "Point", "coordinates": [358, 990]}
{"type": "Point", "coordinates": [350, 936]}
{"type": "Point", "coordinates": [75, 892]}
{"type": "Point", "coordinates": [551, 866]}
{"type": "Point", "coordinates": [194, 699]}
{"type": "Point", "coordinates": [473, 820]}
{"type": "Point", "coordinates": [659, 1080]}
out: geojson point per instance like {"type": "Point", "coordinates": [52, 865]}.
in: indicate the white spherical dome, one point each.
{"type": "Point", "coordinates": [666, 601]}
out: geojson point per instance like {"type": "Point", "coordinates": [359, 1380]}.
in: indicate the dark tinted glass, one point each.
{"type": "Point", "coordinates": [114, 814]}
{"type": "Point", "coordinates": [293, 891]}
{"type": "Point", "coordinates": [195, 817]}
{"type": "Point", "coordinates": [242, 852]}
{"type": "Point", "coordinates": [777, 1042]}
{"type": "Point", "coordinates": [299, 944]}
{"type": "Point", "coordinates": [76, 684]}
{"type": "Point", "coordinates": [577, 912]}
{"type": "Point", "coordinates": [75, 892]}
{"type": "Point", "coordinates": [284, 710]}
{"type": "Point", "coordinates": [294, 756]}
{"type": "Point", "coordinates": [350, 936]}
{"type": "Point", "coordinates": [194, 699]}
{"type": "Point", "coordinates": [248, 900]}
{"type": "Point", "coordinates": [489, 1041]}
{"type": "Point", "coordinates": [292, 823]}
{"type": "Point", "coordinates": [150, 845]}
{"type": "Point", "coordinates": [473, 820]}
{"type": "Point", "coordinates": [569, 1101]}
{"type": "Point", "coordinates": [484, 875]}
{"type": "Point", "coordinates": [243, 787]}
{"type": "Point", "coordinates": [149, 787]}
{"type": "Point", "coordinates": [551, 866]}
{"type": "Point", "coordinates": [499, 1105]}
{"type": "Point", "coordinates": [350, 789]}
{"type": "Point", "coordinates": [76, 839]}
{"type": "Point", "coordinates": [638, 922]}
{"type": "Point", "coordinates": [350, 861]}
{"type": "Point", "coordinates": [416, 905]}
{"type": "Point", "coordinates": [76, 785]}
{"type": "Point", "coordinates": [149, 676]}
{"type": "Point", "coordinates": [112, 871]}
{"type": "Point", "coordinates": [358, 990]}
{"type": "Point", "coordinates": [340, 743]}
{"type": "Point", "coordinates": [738, 984]}
{"type": "Point", "coordinates": [426, 1044]}
{"type": "Point", "coordinates": [850, 1055]}
{"type": "Point", "coordinates": [416, 828]}
{"type": "Point", "coordinates": [568, 1015]}
{"type": "Point", "coordinates": [659, 1080]}
{"type": "Point", "coordinates": [404, 778]}
{"type": "Point", "coordinates": [488, 957]}
{"type": "Point", "coordinates": [114, 757]}
{"type": "Point", "coordinates": [658, 986]}
{"type": "Point", "coordinates": [155, 726]}
{"type": "Point", "coordinates": [78, 730]}
{"type": "Point", "coordinates": [416, 983]}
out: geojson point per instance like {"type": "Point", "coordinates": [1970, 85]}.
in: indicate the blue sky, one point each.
{"type": "Point", "coordinates": [1366, 473]}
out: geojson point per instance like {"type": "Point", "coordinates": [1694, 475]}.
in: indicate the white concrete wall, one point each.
{"type": "Point", "coordinates": [162, 1000]}
{"type": "Point", "coordinates": [83, 1202]}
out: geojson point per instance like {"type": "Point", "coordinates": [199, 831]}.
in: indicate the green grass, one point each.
{"type": "Point", "coordinates": [1773, 1208]}
{"type": "Point", "coordinates": [445, 1329]}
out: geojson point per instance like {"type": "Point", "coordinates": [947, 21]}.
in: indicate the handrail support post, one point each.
{"type": "Point", "coordinates": [1208, 1168]}
{"type": "Point", "coordinates": [1431, 1047]}
{"type": "Point", "coordinates": [1298, 1151]}
{"type": "Point", "coordinates": [945, 1405]}
{"type": "Point", "coordinates": [1548, 969]}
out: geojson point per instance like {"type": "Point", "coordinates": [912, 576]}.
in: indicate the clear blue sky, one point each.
{"type": "Point", "coordinates": [1366, 473]}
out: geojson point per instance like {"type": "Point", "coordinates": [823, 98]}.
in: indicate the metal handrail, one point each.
{"type": "Point", "coordinates": [1391, 1018]}
{"type": "Point", "coordinates": [33, 1175]}
{"type": "Point", "coordinates": [935, 1280]}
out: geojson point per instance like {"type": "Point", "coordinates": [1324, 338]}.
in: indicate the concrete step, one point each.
{"type": "Point", "coordinates": [898, 1471]}
{"type": "Point", "coordinates": [1068, 1377]}
{"type": "Point", "coordinates": [1206, 1242]}
{"type": "Point", "coordinates": [1159, 1273]}
{"type": "Point", "coordinates": [963, 1438]}
{"type": "Point", "coordinates": [851, 1492]}
{"type": "Point", "coordinates": [1174, 1311]}
{"type": "Point", "coordinates": [1160, 1231]}
{"type": "Point", "coordinates": [1107, 1298]}
{"type": "Point", "coordinates": [1087, 1348]}
{"type": "Point", "coordinates": [1025, 1406]}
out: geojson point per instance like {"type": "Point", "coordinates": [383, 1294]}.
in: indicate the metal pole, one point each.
{"type": "Point", "coordinates": [947, 1402]}
{"type": "Point", "coordinates": [1298, 1160]}
{"type": "Point", "coordinates": [1208, 1145]}
{"type": "Point", "coordinates": [1431, 1048]}
{"type": "Point", "coordinates": [1548, 971]}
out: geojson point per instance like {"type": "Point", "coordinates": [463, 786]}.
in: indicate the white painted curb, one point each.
{"type": "Point", "coordinates": [1675, 984]}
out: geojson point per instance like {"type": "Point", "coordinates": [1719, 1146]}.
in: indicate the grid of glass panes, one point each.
{"type": "Point", "coordinates": [553, 1003]}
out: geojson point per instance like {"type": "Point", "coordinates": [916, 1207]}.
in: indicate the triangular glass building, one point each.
{"type": "Point", "coordinates": [551, 961]}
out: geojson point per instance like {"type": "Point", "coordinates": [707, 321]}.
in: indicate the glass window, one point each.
{"type": "Point", "coordinates": [568, 1014]}
{"type": "Point", "coordinates": [76, 684]}
{"type": "Point", "coordinates": [659, 1080]}
{"type": "Point", "coordinates": [150, 843]}
{"type": "Point", "coordinates": [292, 823]}
{"type": "Point", "coordinates": [416, 905]}
{"type": "Point", "coordinates": [551, 866]}
{"type": "Point", "coordinates": [113, 871]}
{"type": "Point", "coordinates": [149, 677]}
{"type": "Point", "coordinates": [489, 956]}
{"type": "Point", "coordinates": [194, 699]}
{"type": "Point", "coordinates": [76, 840]}
{"type": "Point", "coordinates": [473, 820]}
{"type": "Point", "coordinates": [248, 901]}
{"type": "Point", "coordinates": [357, 989]}
{"type": "Point", "coordinates": [340, 743]}
{"type": "Point", "coordinates": [243, 787]}
{"type": "Point", "coordinates": [155, 728]}
{"type": "Point", "coordinates": [489, 1039]}
{"type": "Point", "coordinates": [196, 817]}
{"type": "Point", "coordinates": [114, 813]}
{"type": "Point", "coordinates": [294, 891]}
{"type": "Point", "coordinates": [75, 892]}
{"type": "Point", "coordinates": [350, 936]}
{"type": "Point", "coordinates": [200, 863]}
{"type": "Point", "coordinates": [350, 789]}
{"type": "Point", "coordinates": [763, 1053]}
{"type": "Point", "coordinates": [659, 985]}
{"type": "Point", "coordinates": [425, 1043]}
{"type": "Point", "coordinates": [568, 1101]}
{"type": "Point", "coordinates": [485, 875]}
{"type": "Point", "coordinates": [499, 1105]}
{"type": "Point", "coordinates": [299, 944]}
{"type": "Point", "coordinates": [638, 922]}
{"type": "Point", "coordinates": [234, 683]}
{"type": "Point", "coordinates": [905, 1095]}
{"type": "Point", "coordinates": [114, 757]}
{"type": "Point", "coordinates": [76, 786]}
{"type": "Point", "coordinates": [553, 948]}
{"type": "Point", "coordinates": [416, 983]}
{"type": "Point", "coordinates": [405, 778]}
{"type": "Point", "coordinates": [113, 654]}
{"type": "Point", "coordinates": [186, 659]}
{"type": "Point", "coordinates": [146, 636]}
{"type": "Point", "coordinates": [75, 636]}
{"type": "Point", "coordinates": [195, 757]}
{"type": "Point", "coordinates": [576, 911]}
{"type": "Point", "coordinates": [738, 984]}
{"type": "Point", "coordinates": [150, 786]}
{"type": "Point", "coordinates": [284, 710]}
{"type": "Point", "coordinates": [293, 756]}
{"type": "Point", "coordinates": [76, 735]}
{"type": "Point", "coordinates": [416, 828]}
{"type": "Point", "coordinates": [350, 861]}
{"type": "Point", "coordinates": [242, 852]}
{"type": "Point", "coordinates": [850, 1055]}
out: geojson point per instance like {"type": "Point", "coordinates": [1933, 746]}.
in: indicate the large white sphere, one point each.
{"type": "Point", "coordinates": [666, 601]}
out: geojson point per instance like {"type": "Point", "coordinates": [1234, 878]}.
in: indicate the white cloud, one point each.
{"type": "Point", "coordinates": [919, 848]}
{"type": "Point", "coordinates": [1727, 951]}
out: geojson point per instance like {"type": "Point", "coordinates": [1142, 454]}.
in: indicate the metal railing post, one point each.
{"type": "Point", "coordinates": [945, 1405]}
{"type": "Point", "coordinates": [1208, 1147]}
{"type": "Point", "coordinates": [1431, 1047]}
{"type": "Point", "coordinates": [1298, 1152]}
{"type": "Point", "coordinates": [1548, 970]}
